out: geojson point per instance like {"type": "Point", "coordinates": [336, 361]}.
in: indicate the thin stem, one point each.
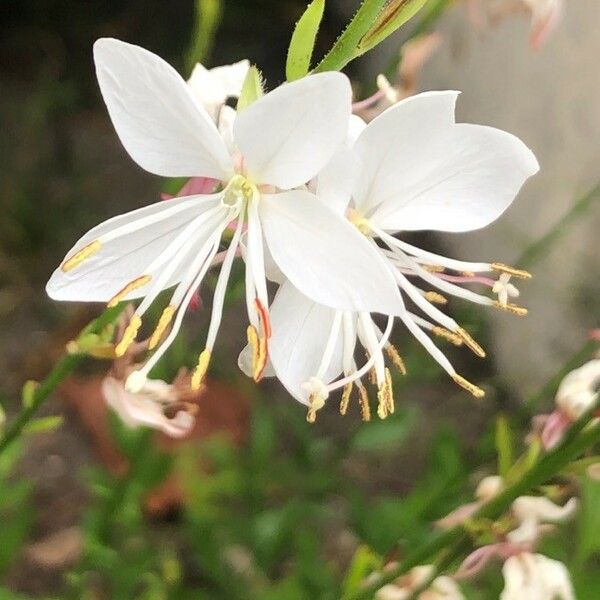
{"type": "Point", "coordinates": [63, 367]}
{"type": "Point", "coordinates": [576, 440]}
{"type": "Point", "coordinates": [541, 245]}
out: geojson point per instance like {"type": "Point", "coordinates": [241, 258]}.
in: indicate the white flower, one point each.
{"type": "Point", "coordinates": [533, 512]}
{"type": "Point", "coordinates": [442, 587]}
{"type": "Point", "coordinates": [281, 141]}
{"type": "Point", "coordinates": [579, 389]}
{"type": "Point", "coordinates": [535, 577]}
{"type": "Point", "coordinates": [149, 406]}
{"type": "Point", "coordinates": [412, 168]}
{"type": "Point", "coordinates": [212, 87]}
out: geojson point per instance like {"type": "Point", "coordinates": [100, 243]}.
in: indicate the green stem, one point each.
{"type": "Point", "coordinates": [345, 48]}
{"type": "Point", "coordinates": [576, 440]}
{"type": "Point", "coordinates": [62, 369]}
{"type": "Point", "coordinates": [540, 246]}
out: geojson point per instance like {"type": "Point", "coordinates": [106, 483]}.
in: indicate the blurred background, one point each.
{"type": "Point", "coordinates": [259, 504]}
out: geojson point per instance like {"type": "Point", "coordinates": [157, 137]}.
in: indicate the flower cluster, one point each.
{"type": "Point", "coordinates": [311, 198]}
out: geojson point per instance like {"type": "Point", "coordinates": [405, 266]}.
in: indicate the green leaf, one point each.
{"type": "Point", "coordinates": [504, 446]}
{"type": "Point", "coordinates": [252, 89]}
{"type": "Point", "coordinates": [303, 41]}
{"type": "Point", "coordinates": [28, 392]}
{"type": "Point", "coordinates": [43, 424]}
{"type": "Point", "coordinates": [345, 48]}
{"type": "Point", "coordinates": [589, 521]}
{"type": "Point", "coordinates": [391, 18]}
{"type": "Point", "coordinates": [386, 434]}
{"type": "Point", "coordinates": [208, 16]}
{"type": "Point", "coordinates": [364, 562]}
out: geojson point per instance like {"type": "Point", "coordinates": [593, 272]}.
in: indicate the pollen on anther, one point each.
{"type": "Point", "coordinates": [363, 398]}
{"type": "Point", "coordinates": [128, 336]}
{"type": "Point", "coordinates": [80, 256]}
{"type": "Point", "coordinates": [467, 385]}
{"type": "Point", "coordinates": [436, 298]}
{"type": "Point", "coordinates": [130, 287]}
{"type": "Point", "coordinates": [470, 342]}
{"type": "Point", "coordinates": [395, 357]}
{"type": "Point", "coordinates": [345, 398]}
{"type": "Point", "coordinates": [163, 323]}
{"type": "Point", "coordinates": [452, 337]}
{"type": "Point", "coordinates": [201, 369]}
{"type": "Point", "coordinates": [518, 273]}
{"type": "Point", "coordinates": [511, 308]}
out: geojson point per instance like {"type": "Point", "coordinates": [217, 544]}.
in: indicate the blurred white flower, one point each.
{"type": "Point", "coordinates": [212, 87]}
{"type": "Point", "coordinates": [535, 577]}
{"type": "Point", "coordinates": [545, 18]}
{"type": "Point", "coordinates": [280, 142]}
{"type": "Point", "coordinates": [412, 168]}
{"type": "Point", "coordinates": [442, 587]}
{"type": "Point", "coordinates": [156, 405]}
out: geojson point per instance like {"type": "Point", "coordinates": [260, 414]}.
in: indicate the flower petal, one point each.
{"type": "Point", "coordinates": [127, 257]}
{"type": "Point", "coordinates": [336, 181]}
{"type": "Point", "coordinates": [325, 256]}
{"type": "Point", "coordinates": [287, 136]}
{"type": "Point", "coordinates": [231, 77]}
{"type": "Point", "coordinates": [422, 171]}
{"type": "Point", "coordinates": [393, 138]}
{"type": "Point", "coordinates": [160, 123]}
{"type": "Point", "coordinates": [301, 329]}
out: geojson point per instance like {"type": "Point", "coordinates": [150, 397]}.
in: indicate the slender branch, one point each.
{"type": "Point", "coordinates": [576, 440]}
{"type": "Point", "coordinates": [63, 367]}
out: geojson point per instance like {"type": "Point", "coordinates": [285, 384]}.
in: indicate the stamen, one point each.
{"type": "Point", "coordinates": [163, 323]}
{"type": "Point", "coordinates": [201, 369]}
{"type": "Point", "coordinates": [363, 399]}
{"type": "Point", "coordinates": [395, 357]}
{"type": "Point", "coordinates": [436, 298]}
{"type": "Point", "coordinates": [385, 397]}
{"type": "Point", "coordinates": [389, 384]}
{"type": "Point", "coordinates": [511, 308]}
{"type": "Point", "coordinates": [433, 268]}
{"type": "Point", "coordinates": [452, 337]}
{"type": "Point", "coordinates": [502, 268]}
{"type": "Point", "coordinates": [130, 287]}
{"type": "Point", "coordinates": [467, 385]}
{"type": "Point", "coordinates": [470, 342]}
{"type": "Point", "coordinates": [359, 221]}
{"type": "Point", "coordinates": [346, 398]}
{"type": "Point", "coordinates": [259, 352]}
{"type": "Point", "coordinates": [128, 336]}
{"type": "Point", "coordinates": [316, 403]}
{"type": "Point", "coordinates": [80, 256]}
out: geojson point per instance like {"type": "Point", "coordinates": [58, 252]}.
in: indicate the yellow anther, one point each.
{"type": "Point", "coordinates": [395, 357]}
{"type": "Point", "coordinates": [130, 287]}
{"type": "Point", "coordinates": [433, 268]}
{"type": "Point", "coordinates": [452, 337]}
{"type": "Point", "coordinates": [518, 273]}
{"type": "Point", "coordinates": [467, 385]}
{"type": "Point", "coordinates": [80, 256]}
{"type": "Point", "coordinates": [346, 398]}
{"type": "Point", "coordinates": [372, 376]}
{"type": "Point", "coordinates": [259, 352]}
{"type": "Point", "coordinates": [201, 369]}
{"type": "Point", "coordinates": [467, 273]}
{"type": "Point", "coordinates": [128, 336]}
{"type": "Point", "coordinates": [316, 403]}
{"type": "Point", "coordinates": [511, 308]}
{"type": "Point", "coordinates": [163, 323]}
{"type": "Point", "coordinates": [470, 342]}
{"type": "Point", "coordinates": [363, 399]}
{"type": "Point", "coordinates": [436, 298]}
{"type": "Point", "coordinates": [385, 397]}
{"type": "Point", "coordinates": [360, 222]}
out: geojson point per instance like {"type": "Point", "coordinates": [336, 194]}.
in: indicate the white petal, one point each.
{"type": "Point", "coordinates": [300, 332]}
{"type": "Point", "coordinates": [325, 256]}
{"type": "Point", "coordinates": [355, 127]}
{"type": "Point", "coordinates": [336, 181]}
{"type": "Point", "coordinates": [159, 122]}
{"type": "Point", "coordinates": [121, 260]}
{"type": "Point", "coordinates": [460, 179]}
{"type": "Point", "coordinates": [288, 135]}
{"type": "Point", "coordinates": [231, 77]}
{"type": "Point", "coordinates": [394, 137]}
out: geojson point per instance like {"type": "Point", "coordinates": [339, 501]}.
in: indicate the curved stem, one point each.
{"type": "Point", "coordinates": [63, 367]}
{"type": "Point", "coordinates": [577, 439]}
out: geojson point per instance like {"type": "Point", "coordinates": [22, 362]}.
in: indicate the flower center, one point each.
{"type": "Point", "coordinates": [239, 191]}
{"type": "Point", "coordinates": [361, 223]}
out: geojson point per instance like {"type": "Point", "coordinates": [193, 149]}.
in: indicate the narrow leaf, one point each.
{"type": "Point", "coordinates": [43, 424]}
{"type": "Point", "coordinates": [252, 88]}
{"type": "Point", "coordinates": [504, 445]}
{"type": "Point", "coordinates": [207, 18]}
{"type": "Point", "coordinates": [303, 41]}
{"type": "Point", "coordinates": [392, 17]}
